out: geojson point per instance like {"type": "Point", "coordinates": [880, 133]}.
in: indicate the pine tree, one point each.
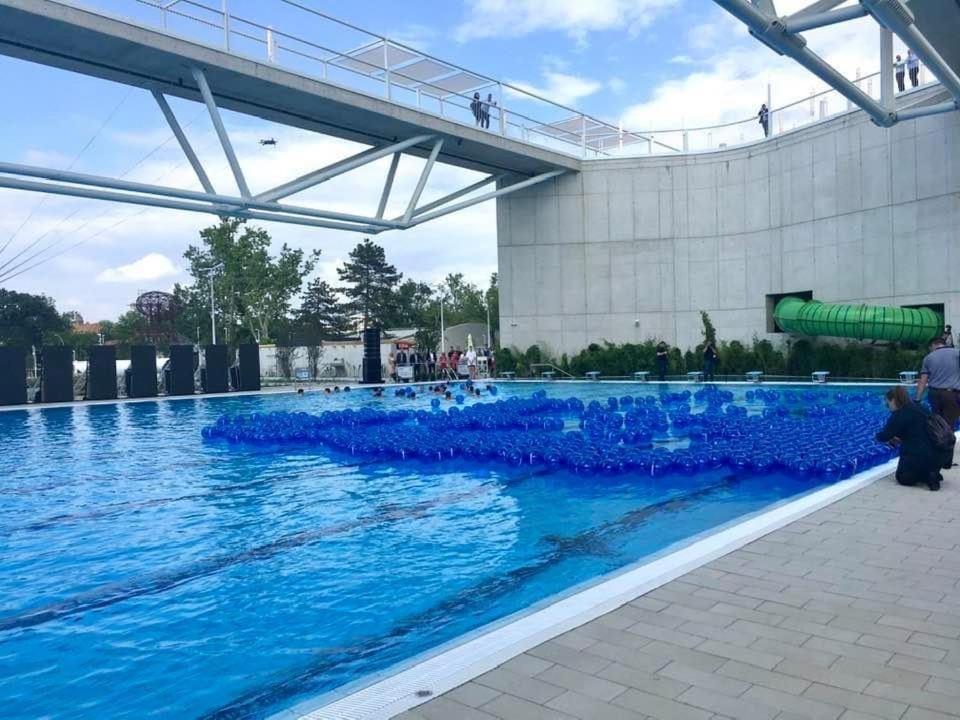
{"type": "Point", "coordinates": [372, 283]}
{"type": "Point", "coordinates": [321, 314]}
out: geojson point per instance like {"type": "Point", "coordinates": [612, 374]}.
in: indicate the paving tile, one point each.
{"type": "Point", "coordinates": [648, 603]}
{"type": "Point", "coordinates": [870, 626]}
{"type": "Point", "coordinates": [804, 613]}
{"type": "Point", "coordinates": [658, 707]}
{"type": "Point", "coordinates": [944, 687]}
{"type": "Point", "coordinates": [935, 641]}
{"type": "Point", "coordinates": [660, 618]}
{"type": "Point", "coordinates": [917, 698]}
{"type": "Point", "coordinates": [521, 686]}
{"type": "Point", "coordinates": [876, 671]}
{"type": "Point", "coordinates": [819, 674]}
{"type": "Point", "coordinates": [693, 658]}
{"type": "Point", "coordinates": [589, 708]}
{"type": "Point", "coordinates": [925, 667]}
{"type": "Point", "coordinates": [574, 639]}
{"type": "Point", "coordinates": [698, 616]}
{"type": "Point", "coordinates": [825, 631]}
{"type": "Point", "coordinates": [745, 655]}
{"type": "Point", "coordinates": [709, 681]}
{"type": "Point", "coordinates": [648, 663]}
{"type": "Point", "coordinates": [746, 614]}
{"type": "Point", "coordinates": [674, 637]}
{"type": "Point", "coordinates": [848, 649]}
{"type": "Point", "coordinates": [598, 631]}
{"type": "Point", "coordinates": [509, 707]}
{"type": "Point", "coordinates": [806, 707]}
{"type": "Point", "coordinates": [932, 628]}
{"type": "Point", "coordinates": [442, 708]}
{"type": "Point", "coordinates": [914, 713]}
{"type": "Point", "coordinates": [758, 676]}
{"type": "Point", "coordinates": [585, 661]}
{"type": "Point", "coordinates": [590, 685]}
{"type": "Point", "coordinates": [854, 715]}
{"type": "Point", "coordinates": [525, 664]}
{"type": "Point", "coordinates": [904, 648]}
{"type": "Point", "coordinates": [883, 708]}
{"type": "Point", "coordinates": [730, 598]}
{"type": "Point", "coordinates": [759, 630]}
{"type": "Point", "coordinates": [647, 682]}
{"type": "Point", "coordinates": [727, 706]}
{"type": "Point", "coordinates": [472, 694]}
{"type": "Point", "coordinates": [804, 653]}
{"type": "Point", "coordinates": [723, 634]}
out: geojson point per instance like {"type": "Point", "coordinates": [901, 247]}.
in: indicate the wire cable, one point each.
{"type": "Point", "coordinates": [76, 158]}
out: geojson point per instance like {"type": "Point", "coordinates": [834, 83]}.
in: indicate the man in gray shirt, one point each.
{"type": "Point", "coordinates": [940, 374]}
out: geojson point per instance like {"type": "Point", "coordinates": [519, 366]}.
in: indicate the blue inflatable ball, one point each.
{"type": "Point", "coordinates": [459, 399]}
{"type": "Point", "coordinates": [435, 403]}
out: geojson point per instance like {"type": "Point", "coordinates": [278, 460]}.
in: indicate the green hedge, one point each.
{"type": "Point", "coordinates": [798, 357]}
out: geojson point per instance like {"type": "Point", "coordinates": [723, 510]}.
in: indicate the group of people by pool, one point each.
{"type": "Point", "coordinates": [424, 365]}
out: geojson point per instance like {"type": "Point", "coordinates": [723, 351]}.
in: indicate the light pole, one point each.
{"type": "Point", "coordinates": [443, 342]}
{"type": "Point", "coordinates": [213, 308]}
{"type": "Point", "coordinates": [489, 338]}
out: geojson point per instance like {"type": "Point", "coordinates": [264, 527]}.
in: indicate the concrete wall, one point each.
{"type": "Point", "coordinates": [633, 249]}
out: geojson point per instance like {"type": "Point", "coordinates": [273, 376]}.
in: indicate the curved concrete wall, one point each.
{"type": "Point", "coordinates": [633, 249]}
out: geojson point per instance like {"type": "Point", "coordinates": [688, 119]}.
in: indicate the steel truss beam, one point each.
{"type": "Point", "coordinates": [782, 36]}
{"type": "Point", "coordinates": [264, 206]}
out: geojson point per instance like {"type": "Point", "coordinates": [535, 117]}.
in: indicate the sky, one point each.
{"type": "Point", "coordinates": [648, 64]}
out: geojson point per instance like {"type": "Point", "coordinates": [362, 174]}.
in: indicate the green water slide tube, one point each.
{"type": "Point", "coordinates": [863, 322]}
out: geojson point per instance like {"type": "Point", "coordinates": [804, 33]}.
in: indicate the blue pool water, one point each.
{"type": "Point", "coordinates": [148, 572]}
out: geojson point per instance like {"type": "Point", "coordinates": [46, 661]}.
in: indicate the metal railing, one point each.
{"type": "Point", "coordinates": [379, 66]}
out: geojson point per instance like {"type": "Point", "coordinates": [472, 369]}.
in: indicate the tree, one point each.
{"type": "Point", "coordinates": [709, 332]}
{"type": "Point", "coordinates": [372, 282]}
{"type": "Point", "coordinates": [321, 315]}
{"type": "Point", "coordinates": [73, 317]}
{"type": "Point", "coordinates": [463, 301]}
{"type": "Point", "coordinates": [413, 302]}
{"type": "Point", "coordinates": [27, 320]}
{"type": "Point", "coordinates": [253, 289]}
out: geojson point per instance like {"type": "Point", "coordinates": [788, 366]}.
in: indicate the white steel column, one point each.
{"type": "Point", "coordinates": [221, 130]}
{"type": "Point", "coordinates": [886, 66]}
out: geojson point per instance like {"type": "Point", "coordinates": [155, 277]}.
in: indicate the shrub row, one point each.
{"type": "Point", "coordinates": [798, 357]}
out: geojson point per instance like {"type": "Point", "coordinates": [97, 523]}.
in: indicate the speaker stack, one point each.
{"type": "Point", "coordinates": [13, 375]}
{"type": "Point", "coordinates": [248, 357]}
{"type": "Point", "coordinates": [214, 376]}
{"type": "Point", "coordinates": [101, 372]}
{"type": "Point", "coordinates": [372, 372]}
{"type": "Point", "coordinates": [56, 380]}
{"type": "Point", "coordinates": [179, 376]}
{"type": "Point", "coordinates": [141, 377]}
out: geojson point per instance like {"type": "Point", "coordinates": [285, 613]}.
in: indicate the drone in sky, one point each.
{"type": "Point", "coordinates": [269, 142]}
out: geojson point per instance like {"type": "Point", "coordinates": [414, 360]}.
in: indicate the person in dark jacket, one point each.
{"type": "Point", "coordinates": [709, 361]}
{"type": "Point", "coordinates": [663, 357]}
{"type": "Point", "coordinates": [907, 427]}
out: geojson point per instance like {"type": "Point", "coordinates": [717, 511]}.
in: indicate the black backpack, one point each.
{"type": "Point", "coordinates": [941, 434]}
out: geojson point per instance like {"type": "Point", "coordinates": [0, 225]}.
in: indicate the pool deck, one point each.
{"type": "Point", "coordinates": [852, 612]}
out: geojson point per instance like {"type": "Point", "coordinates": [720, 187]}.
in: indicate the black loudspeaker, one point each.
{"type": "Point", "coordinates": [372, 372]}
{"type": "Point", "coordinates": [56, 380]}
{"type": "Point", "coordinates": [13, 375]}
{"type": "Point", "coordinates": [142, 376]}
{"type": "Point", "coordinates": [179, 377]}
{"type": "Point", "coordinates": [215, 374]}
{"type": "Point", "coordinates": [101, 372]}
{"type": "Point", "coordinates": [248, 357]}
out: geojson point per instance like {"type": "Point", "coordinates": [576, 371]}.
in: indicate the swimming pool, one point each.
{"type": "Point", "coordinates": [150, 572]}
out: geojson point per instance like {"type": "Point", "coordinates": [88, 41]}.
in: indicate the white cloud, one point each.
{"type": "Point", "coordinates": [681, 60]}
{"type": "Point", "coordinates": [729, 81]}
{"type": "Point", "coordinates": [616, 85]}
{"type": "Point", "coordinates": [561, 87]}
{"type": "Point", "coordinates": [153, 266]}
{"type": "Point", "coordinates": [514, 18]}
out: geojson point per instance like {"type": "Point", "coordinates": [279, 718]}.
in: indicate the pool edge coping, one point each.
{"type": "Point", "coordinates": [477, 654]}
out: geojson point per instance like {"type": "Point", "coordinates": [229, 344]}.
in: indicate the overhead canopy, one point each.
{"type": "Point", "coordinates": [597, 134]}
{"type": "Point", "coordinates": [407, 68]}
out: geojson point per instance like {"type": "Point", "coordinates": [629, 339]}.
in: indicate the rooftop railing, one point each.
{"type": "Point", "coordinates": [338, 52]}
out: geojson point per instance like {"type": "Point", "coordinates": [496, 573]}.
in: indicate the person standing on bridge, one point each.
{"type": "Point", "coordinates": [913, 66]}
{"type": "Point", "coordinates": [764, 117]}
{"type": "Point", "coordinates": [899, 67]}
{"type": "Point", "coordinates": [476, 107]}
{"type": "Point", "coordinates": [485, 112]}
